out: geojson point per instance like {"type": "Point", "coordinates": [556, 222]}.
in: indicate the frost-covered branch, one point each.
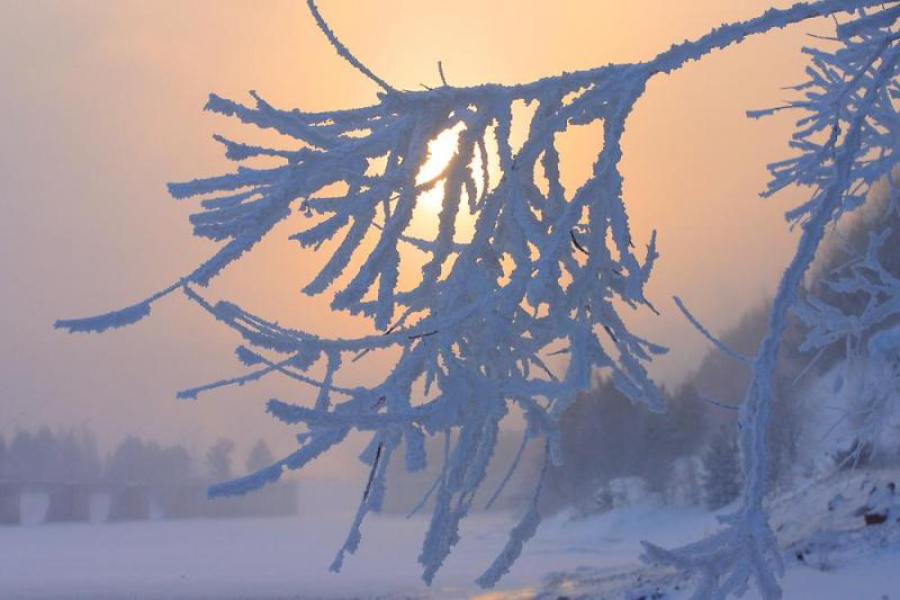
{"type": "Point", "coordinates": [342, 50]}
{"type": "Point", "coordinates": [545, 271]}
{"type": "Point", "coordinates": [855, 302]}
{"type": "Point", "coordinates": [846, 142]}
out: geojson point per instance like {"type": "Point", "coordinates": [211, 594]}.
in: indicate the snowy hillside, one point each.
{"type": "Point", "coordinates": [839, 410]}
{"type": "Point", "coordinates": [828, 550]}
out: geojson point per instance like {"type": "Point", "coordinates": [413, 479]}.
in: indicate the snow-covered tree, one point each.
{"type": "Point", "coordinates": [20, 464]}
{"type": "Point", "coordinates": [856, 303]}
{"type": "Point", "coordinates": [260, 457]}
{"type": "Point", "coordinates": [546, 271]}
{"type": "Point", "coordinates": [721, 470]}
{"type": "Point", "coordinates": [218, 459]}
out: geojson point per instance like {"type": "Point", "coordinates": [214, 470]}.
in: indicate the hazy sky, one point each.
{"type": "Point", "coordinates": [100, 106]}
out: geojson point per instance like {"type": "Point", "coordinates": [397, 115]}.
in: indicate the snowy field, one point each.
{"type": "Point", "coordinates": [289, 558]}
{"type": "Point", "coordinates": [274, 558]}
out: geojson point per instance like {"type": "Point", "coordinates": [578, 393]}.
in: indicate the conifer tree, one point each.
{"type": "Point", "coordinates": [721, 476]}
{"type": "Point", "coordinates": [218, 459]}
{"type": "Point", "coordinates": [260, 457]}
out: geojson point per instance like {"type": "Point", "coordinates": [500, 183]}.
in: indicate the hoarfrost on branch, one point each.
{"type": "Point", "coordinates": [544, 272]}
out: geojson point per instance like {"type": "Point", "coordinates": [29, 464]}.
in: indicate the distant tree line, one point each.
{"type": "Point", "coordinates": [605, 437]}
{"type": "Point", "coordinates": [47, 456]}
{"type": "Point", "coordinates": [689, 454]}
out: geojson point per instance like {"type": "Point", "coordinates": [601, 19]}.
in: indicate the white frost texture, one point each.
{"type": "Point", "coordinates": [545, 271]}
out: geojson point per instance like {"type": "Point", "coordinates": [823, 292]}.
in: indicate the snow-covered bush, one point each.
{"type": "Point", "coordinates": [545, 272]}
{"type": "Point", "coordinates": [837, 431]}
{"type": "Point", "coordinates": [619, 492]}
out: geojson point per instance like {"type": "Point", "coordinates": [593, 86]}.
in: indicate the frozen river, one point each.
{"type": "Point", "coordinates": [289, 558]}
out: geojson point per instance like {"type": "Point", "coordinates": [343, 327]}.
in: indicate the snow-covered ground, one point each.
{"type": "Point", "coordinates": [288, 558]}
{"type": "Point", "coordinates": [829, 554]}
{"type": "Point", "coordinates": [265, 558]}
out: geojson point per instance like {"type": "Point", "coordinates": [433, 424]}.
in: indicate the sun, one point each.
{"type": "Point", "coordinates": [429, 204]}
{"type": "Point", "coordinates": [441, 151]}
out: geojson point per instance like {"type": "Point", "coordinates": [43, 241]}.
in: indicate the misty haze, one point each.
{"type": "Point", "coordinates": [471, 299]}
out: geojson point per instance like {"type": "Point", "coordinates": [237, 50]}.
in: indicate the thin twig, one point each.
{"type": "Point", "coordinates": [342, 49]}
{"type": "Point", "coordinates": [576, 243]}
{"type": "Point", "coordinates": [372, 472]}
{"type": "Point", "coordinates": [713, 339]}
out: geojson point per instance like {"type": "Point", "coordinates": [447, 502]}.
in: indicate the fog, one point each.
{"type": "Point", "coordinates": [101, 106]}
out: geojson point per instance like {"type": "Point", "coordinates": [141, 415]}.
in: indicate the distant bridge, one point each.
{"type": "Point", "coordinates": [38, 502]}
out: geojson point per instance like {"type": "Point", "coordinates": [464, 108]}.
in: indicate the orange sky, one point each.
{"type": "Point", "coordinates": [101, 106]}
